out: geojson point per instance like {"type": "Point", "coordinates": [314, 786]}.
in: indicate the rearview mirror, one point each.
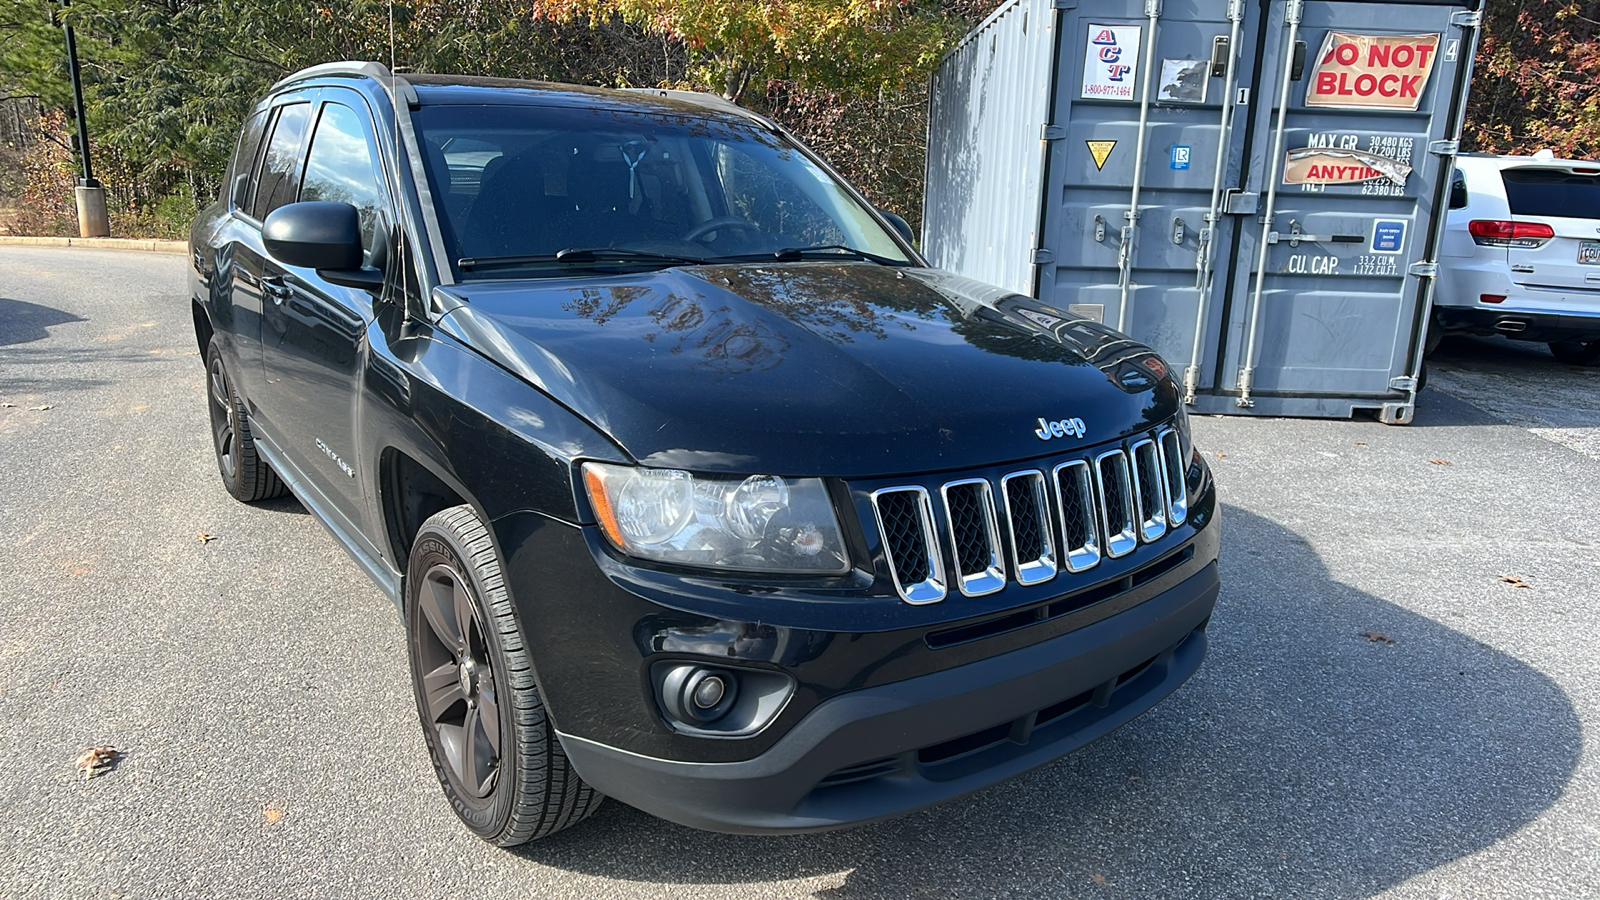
{"type": "Point", "coordinates": [900, 225]}
{"type": "Point", "coordinates": [321, 235]}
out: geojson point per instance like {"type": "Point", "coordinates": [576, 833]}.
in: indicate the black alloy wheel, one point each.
{"type": "Point", "coordinates": [459, 696]}
{"type": "Point", "coordinates": [244, 473]}
{"type": "Point", "coordinates": [493, 746]}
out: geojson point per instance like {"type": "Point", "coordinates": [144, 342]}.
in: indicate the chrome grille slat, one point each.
{"type": "Point", "coordinates": [1033, 554]}
{"type": "Point", "coordinates": [1116, 503]}
{"type": "Point", "coordinates": [1149, 491]}
{"type": "Point", "coordinates": [1177, 484]}
{"type": "Point", "coordinates": [1075, 498]}
{"type": "Point", "coordinates": [974, 536]}
{"type": "Point", "coordinates": [905, 523]}
{"type": "Point", "coordinates": [1093, 508]}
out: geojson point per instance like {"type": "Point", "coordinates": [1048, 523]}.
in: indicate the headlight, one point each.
{"type": "Point", "coordinates": [762, 523]}
{"type": "Point", "coordinates": [1180, 423]}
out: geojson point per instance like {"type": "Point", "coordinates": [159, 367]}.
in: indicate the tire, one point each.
{"type": "Point", "coordinates": [1430, 344]}
{"type": "Point", "coordinates": [1574, 353]}
{"type": "Point", "coordinates": [493, 746]}
{"type": "Point", "coordinates": [244, 473]}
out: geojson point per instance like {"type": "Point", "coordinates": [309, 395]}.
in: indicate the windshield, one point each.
{"type": "Point", "coordinates": [515, 186]}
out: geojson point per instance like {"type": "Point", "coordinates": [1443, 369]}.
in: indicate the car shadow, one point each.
{"type": "Point", "coordinates": [1309, 758]}
{"type": "Point", "coordinates": [22, 322]}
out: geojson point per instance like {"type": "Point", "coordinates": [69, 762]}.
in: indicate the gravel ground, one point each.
{"type": "Point", "coordinates": [258, 686]}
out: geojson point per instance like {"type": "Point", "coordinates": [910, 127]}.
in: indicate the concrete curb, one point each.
{"type": "Point", "coordinates": [149, 246]}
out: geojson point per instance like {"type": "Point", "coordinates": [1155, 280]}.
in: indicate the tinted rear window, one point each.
{"type": "Point", "coordinates": [1551, 192]}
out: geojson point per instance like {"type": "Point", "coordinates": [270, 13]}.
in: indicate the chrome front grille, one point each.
{"type": "Point", "coordinates": [974, 536]}
{"type": "Point", "coordinates": [1103, 506]}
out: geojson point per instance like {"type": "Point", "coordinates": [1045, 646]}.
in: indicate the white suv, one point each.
{"type": "Point", "coordinates": [1521, 254]}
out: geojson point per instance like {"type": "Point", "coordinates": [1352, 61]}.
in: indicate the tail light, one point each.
{"type": "Point", "coordinates": [1519, 235]}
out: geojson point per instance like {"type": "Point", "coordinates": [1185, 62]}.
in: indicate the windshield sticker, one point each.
{"type": "Point", "coordinates": [1109, 66]}
{"type": "Point", "coordinates": [1184, 80]}
{"type": "Point", "coordinates": [1101, 151]}
{"type": "Point", "coordinates": [1372, 71]}
{"type": "Point", "coordinates": [1319, 165]}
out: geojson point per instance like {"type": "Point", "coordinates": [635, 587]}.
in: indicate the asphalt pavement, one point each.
{"type": "Point", "coordinates": [1381, 713]}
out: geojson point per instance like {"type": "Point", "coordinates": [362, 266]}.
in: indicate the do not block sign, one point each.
{"type": "Point", "coordinates": [1362, 71]}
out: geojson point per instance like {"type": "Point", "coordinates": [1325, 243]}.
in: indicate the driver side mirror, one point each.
{"type": "Point", "coordinates": [321, 235]}
{"type": "Point", "coordinates": [900, 225]}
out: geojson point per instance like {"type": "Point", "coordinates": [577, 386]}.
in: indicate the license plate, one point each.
{"type": "Point", "coordinates": [1589, 253]}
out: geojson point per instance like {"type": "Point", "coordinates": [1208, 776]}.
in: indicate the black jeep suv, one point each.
{"type": "Point", "coordinates": [693, 485]}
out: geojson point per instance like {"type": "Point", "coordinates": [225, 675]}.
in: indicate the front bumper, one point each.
{"type": "Point", "coordinates": [893, 748]}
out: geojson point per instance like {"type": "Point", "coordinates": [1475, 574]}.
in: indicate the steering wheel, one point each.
{"type": "Point", "coordinates": [717, 224]}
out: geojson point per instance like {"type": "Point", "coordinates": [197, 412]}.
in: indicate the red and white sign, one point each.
{"type": "Point", "coordinates": [1372, 71]}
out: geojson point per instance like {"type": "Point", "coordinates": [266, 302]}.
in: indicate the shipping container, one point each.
{"type": "Point", "coordinates": [1255, 188]}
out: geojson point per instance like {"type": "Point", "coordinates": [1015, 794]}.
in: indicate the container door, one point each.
{"type": "Point", "coordinates": [1146, 119]}
{"type": "Point", "coordinates": [1351, 97]}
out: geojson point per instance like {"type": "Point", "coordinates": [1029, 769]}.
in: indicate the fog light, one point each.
{"type": "Point", "coordinates": [708, 693]}
{"type": "Point", "coordinates": [697, 695]}
{"type": "Point", "coordinates": [1491, 298]}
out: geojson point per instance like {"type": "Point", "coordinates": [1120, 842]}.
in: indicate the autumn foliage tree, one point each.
{"type": "Point", "coordinates": [1537, 83]}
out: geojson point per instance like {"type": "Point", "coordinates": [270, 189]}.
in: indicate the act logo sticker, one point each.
{"type": "Point", "coordinates": [1365, 71]}
{"type": "Point", "coordinates": [1111, 63]}
{"type": "Point", "coordinates": [1101, 151]}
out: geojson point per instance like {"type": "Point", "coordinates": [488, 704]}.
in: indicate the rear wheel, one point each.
{"type": "Point", "coordinates": [244, 473]}
{"type": "Point", "coordinates": [493, 746]}
{"type": "Point", "coordinates": [1574, 353]}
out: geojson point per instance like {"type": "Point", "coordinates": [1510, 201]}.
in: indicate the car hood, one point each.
{"type": "Point", "coordinates": [847, 369]}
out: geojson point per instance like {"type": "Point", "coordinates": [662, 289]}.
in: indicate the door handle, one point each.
{"type": "Point", "coordinates": [275, 288]}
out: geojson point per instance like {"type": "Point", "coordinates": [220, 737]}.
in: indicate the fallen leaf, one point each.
{"type": "Point", "coordinates": [1515, 581]}
{"type": "Point", "coordinates": [1440, 462]}
{"type": "Point", "coordinates": [205, 538]}
{"type": "Point", "coordinates": [1222, 456]}
{"type": "Point", "coordinates": [272, 813]}
{"type": "Point", "coordinates": [94, 760]}
{"type": "Point", "coordinates": [1361, 443]}
{"type": "Point", "coordinates": [1097, 878]}
{"type": "Point", "coordinates": [42, 407]}
{"type": "Point", "coordinates": [1377, 637]}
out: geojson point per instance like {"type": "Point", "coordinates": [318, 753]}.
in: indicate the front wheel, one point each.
{"type": "Point", "coordinates": [493, 746]}
{"type": "Point", "coordinates": [1574, 353]}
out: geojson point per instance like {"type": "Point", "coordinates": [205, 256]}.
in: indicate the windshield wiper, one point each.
{"type": "Point", "coordinates": [828, 251]}
{"type": "Point", "coordinates": [575, 255]}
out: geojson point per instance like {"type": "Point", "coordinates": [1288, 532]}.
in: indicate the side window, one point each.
{"type": "Point", "coordinates": [280, 167]}
{"type": "Point", "coordinates": [236, 186]}
{"type": "Point", "coordinates": [1458, 191]}
{"type": "Point", "coordinates": [342, 167]}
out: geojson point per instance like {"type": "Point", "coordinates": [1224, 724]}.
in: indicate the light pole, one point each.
{"type": "Point", "coordinates": [91, 197]}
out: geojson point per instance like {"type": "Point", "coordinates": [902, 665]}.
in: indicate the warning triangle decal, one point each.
{"type": "Point", "coordinates": [1101, 150]}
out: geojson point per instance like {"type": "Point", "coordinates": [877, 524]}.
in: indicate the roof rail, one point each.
{"type": "Point", "coordinates": [375, 70]}
{"type": "Point", "coordinates": [702, 98]}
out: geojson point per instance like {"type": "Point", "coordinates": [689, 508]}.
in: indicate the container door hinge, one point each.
{"type": "Point", "coordinates": [1043, 257]}
{"type": "Point", "coordinates": [1403, 383]}
{"type": "Point", "coordinates": [1444, 148]}
{"type": "Point", "coordinates": [1467, 18]}
{"type": "Point", "coordinates": [1053, 133]}
{"type": "Point", "coordinates": [1424, 270]}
